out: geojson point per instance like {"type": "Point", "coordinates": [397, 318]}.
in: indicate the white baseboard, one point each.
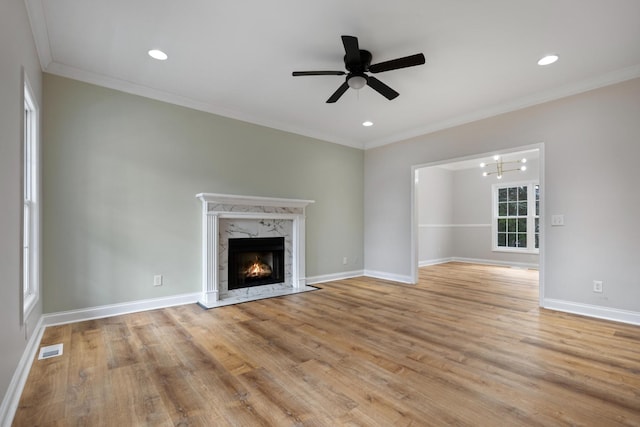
{"type": "Point", "coordinates": [14, 391]}
{"type": "Point", "coordinates": [334, 276]}
{"type": "Point", "coordinates": [531, 265]}
{"type": "Point", "coordinates": [429, 262]}
{"type": "Point", "coordinates": [388, 276]}
{"type": "Point", "coordinates": [599, 312]}
{"type": "Point", "coordinates": [117, 309]}
{"type": "Point", "coordinates": [437, 261]}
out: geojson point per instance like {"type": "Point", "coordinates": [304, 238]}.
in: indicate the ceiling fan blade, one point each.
{"type": "Point", "coordinates": [318, 73]}
{"type": "Point", "coordinates": [381, 88]}
{"type": "Point", "coordinates": [338, 93]}
{"type": "Point", "coordinates": [351, 49]}
{"type": "Point", "coordinates": [394, 64]}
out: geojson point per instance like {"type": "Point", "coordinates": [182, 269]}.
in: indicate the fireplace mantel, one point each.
{"type": "Point", "coordinates": [220, 207]}
{"type": "Point", "coordinates": [232, 199]}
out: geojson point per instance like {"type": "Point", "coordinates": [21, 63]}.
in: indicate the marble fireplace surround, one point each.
{"type": "Point", "coordinates": [227, 216]}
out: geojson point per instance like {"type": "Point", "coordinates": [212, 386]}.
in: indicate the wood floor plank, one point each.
{"type": "Point", "coordinates": [468, 346]}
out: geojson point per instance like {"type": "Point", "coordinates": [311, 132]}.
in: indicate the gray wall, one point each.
{"type": "Point", "coordinates": [434, 196]}
{"type": "Point", "coordinates": [455, 214]}
{"type": "Point", "coordinates": [472, 189]}
{"type": "Point", "coordinates": [591, 176]}
{"type": "Point", "coordinates": [17, 51]}
{"type": "Point", "coordinates": [121, 173]}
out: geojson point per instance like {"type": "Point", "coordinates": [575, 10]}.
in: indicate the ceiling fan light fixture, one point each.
{"type": "Point", "coordinates": [356, 82]}
{"type": "Point", "coordinates": [548, 60]}
{"type": "Point", "coordinates": [158, 54]}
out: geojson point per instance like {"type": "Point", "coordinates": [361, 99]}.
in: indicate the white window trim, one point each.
{"type": "Point", "coordinates": [531, 214]}
{"type": "Point", "coordinates": [30, 271]}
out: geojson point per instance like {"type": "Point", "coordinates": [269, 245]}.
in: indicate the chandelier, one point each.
{"type": "Point", "coordinates": [500, 167]}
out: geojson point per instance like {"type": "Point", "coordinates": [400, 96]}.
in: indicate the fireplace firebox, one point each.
{"type": "Point", "coordinates": [255, 261]}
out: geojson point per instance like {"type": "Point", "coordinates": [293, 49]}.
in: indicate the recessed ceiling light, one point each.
{"type": "Point", "coordinates": [367, 123]}
{"type": "Point", "coordinates": [158, 54]}
{"type": "Point", "coordinates": [547, 60]}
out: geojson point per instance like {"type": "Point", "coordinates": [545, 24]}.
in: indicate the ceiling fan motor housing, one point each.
{"type": "Point", "coordinates": [360, 66]}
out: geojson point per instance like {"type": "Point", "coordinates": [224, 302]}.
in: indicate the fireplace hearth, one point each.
{"type": "Point", "coordinates": [255, 262]}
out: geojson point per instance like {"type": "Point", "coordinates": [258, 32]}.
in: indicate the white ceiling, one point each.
{"type": "Point", "coordinates": [235, 58]}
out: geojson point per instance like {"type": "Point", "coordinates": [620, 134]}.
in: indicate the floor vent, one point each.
{"type": "Point", "coordinates": [50, 351]}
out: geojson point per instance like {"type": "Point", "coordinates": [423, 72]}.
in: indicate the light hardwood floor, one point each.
{"type": "Point", "coordinates": [466, 346]}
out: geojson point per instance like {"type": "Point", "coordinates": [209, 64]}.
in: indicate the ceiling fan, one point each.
{"type": "Point", "coordinates": [358, 63]}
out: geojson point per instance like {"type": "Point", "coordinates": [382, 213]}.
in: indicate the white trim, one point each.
{"type": "Point", "coordinates": [389, 276]}
{"type": "Point", "coordinates": [517, 251]}
{"type": "Point", "coordinates": [608, 79]}
{"type": "Point", "coordinates": [152, 93]}
{"type": "Point", "coordinates": [219, 206]}
{"type": "Point", "coordinates": [35, 11]}
{"type": "Point", "coordinates": [414, 256]}
{"type": "Point", "coordinates": [31, 144]}
{"type": "Point", "coordinates": [109, 310]}
{"type": "Point", "coordinates": [598, 312]}
{"type": "Point", "coordinates": [498, 263]}
{"type": "Point", "coordinates": [175, 99]}
{"type": "Point", "coordinates": [452, 225]}
{"type": "Point", "coordinates": [542, 233]}
{"type": "Point", "coordinates": [14, 391]}
{"type": "Point", "coordinates": [239, 299]}
{"type": "Point", "coordinates": [429, 262]}
{"type": "Point", "coordinates": [531, 216]}
{"type": "Point", "coordinates": [334, 276]}
{"type": "Point", "coordinates": [233, 199]}
{"type": "Point", "coordinates": [414, 202]}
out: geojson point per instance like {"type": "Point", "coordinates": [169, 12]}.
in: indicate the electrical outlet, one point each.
{"type": "Point", "coordinates": [597, 286]}
{"type": "Point", "coordinates": [557, 220]}
{"type": "Point", "coordinates": [157, 280]}
{"type": "Point", "coordinates": [344, 261]}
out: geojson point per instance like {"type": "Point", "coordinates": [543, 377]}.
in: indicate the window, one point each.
{"type": "Point", "coordinates": [516, 217]}
{"type": "Point", "coordinates": [30, 230]}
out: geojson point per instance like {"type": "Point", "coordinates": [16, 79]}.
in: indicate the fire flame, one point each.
{"type": "Point", "coordinates": [257, 270]}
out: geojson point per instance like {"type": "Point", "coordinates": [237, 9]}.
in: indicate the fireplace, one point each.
{"type": "Point", "coordinates": [227, 217]}
{"type": "Point", "coordinates": [255, 262]}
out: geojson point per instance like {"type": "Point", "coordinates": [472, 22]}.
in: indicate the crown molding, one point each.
{"type": "Point", "coordinates": [608, 79]}
{"type": "Point", "coordinates": [172, 98]}
{"type": "Point", "coordinates": [37, 19]}
{"type": "Point", "coordinates": [38, 22]}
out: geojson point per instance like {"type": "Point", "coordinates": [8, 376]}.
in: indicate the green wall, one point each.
{"type": "Point", "coordinates": [120, 175]}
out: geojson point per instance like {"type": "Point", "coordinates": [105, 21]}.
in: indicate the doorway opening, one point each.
{"type": "Point", "coordinates": [489, 215]}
